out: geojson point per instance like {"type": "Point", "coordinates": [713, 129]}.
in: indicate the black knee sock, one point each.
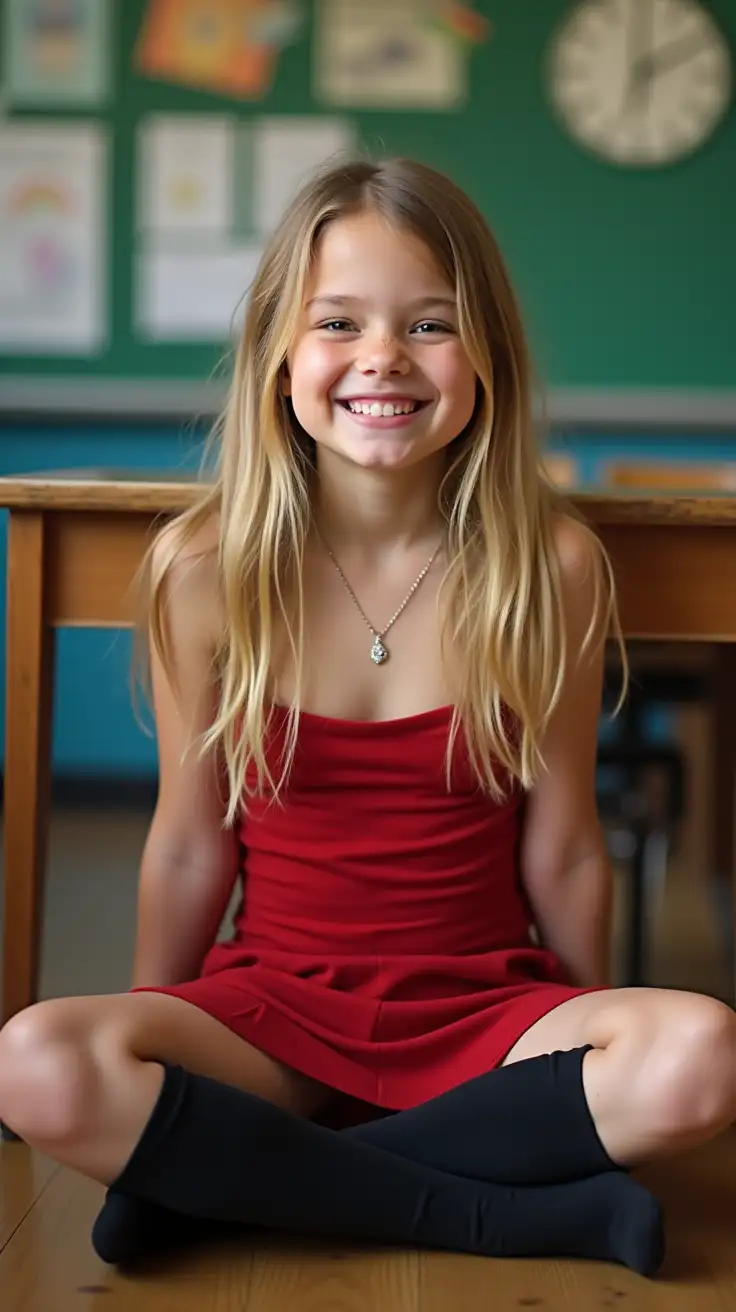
{"type": "Point", "coordinates": [212, 1151]}
{"type": "Point", "coordinates": [528, 1123]}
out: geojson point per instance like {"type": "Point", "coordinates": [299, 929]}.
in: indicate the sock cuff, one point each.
{"type": "Point", "coordinates": [574, 1059]}
{"type": "Point", "coordinates": [165, 1112]}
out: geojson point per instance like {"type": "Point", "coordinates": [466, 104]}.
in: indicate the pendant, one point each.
{"type": "Point", "coordinates": [379, 653]}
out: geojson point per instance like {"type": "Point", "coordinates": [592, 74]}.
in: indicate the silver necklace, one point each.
{"type": "Point", "coordinates": [379, 650]}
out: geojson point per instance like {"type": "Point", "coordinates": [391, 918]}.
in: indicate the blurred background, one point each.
{"type": "Point", "coordinates": [146, 151]}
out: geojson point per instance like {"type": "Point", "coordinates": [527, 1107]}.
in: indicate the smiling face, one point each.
{"type": "Point", "coordinates": [377, 373]}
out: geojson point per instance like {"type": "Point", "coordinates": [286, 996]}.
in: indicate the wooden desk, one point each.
{"type": "Point", "coordinates": [75, 544]}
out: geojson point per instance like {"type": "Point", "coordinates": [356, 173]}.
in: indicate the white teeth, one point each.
{"type": "Point", "coordinates": [382, 411]}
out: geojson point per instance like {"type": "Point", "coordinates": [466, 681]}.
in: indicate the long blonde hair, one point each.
{"type": "Point", "coordinates": [501, 596]}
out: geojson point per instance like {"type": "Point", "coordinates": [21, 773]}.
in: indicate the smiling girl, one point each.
{"type": "Point", "coordinates": [377, 650]}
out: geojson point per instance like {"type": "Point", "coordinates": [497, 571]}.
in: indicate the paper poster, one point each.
{"type": "Point", "coordinates": [287, 149]}
{"type": "Point", "coordinates": [56, 52]}
{"type": "Point", "coordinates": [187, 174]}
{"type": "Point", "coordinates": [394, 54]}
{"type": "Point", "coordinates": [194, 295]}
{"type": "Point", "coordinates": [225, 46]}
{"type": "Point", "coordinates": [52, 256]}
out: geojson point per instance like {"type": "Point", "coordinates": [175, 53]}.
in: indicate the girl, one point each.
{"type": "Point", "coordinates": [377, 647]}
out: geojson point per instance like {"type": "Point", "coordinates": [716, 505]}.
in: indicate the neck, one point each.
{"type": "Point", "coordinates": [375, 511]}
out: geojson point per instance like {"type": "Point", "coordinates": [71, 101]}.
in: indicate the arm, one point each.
{"type": "Point", "coordinates": [189, 862]}
{"type": "Point", "coordinates": [564, 864]}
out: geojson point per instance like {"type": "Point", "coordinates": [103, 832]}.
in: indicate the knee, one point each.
{"type": "Point", "coordinates": [44, 1075]}
{"type": "Point", "coordinates": [697, 1084]}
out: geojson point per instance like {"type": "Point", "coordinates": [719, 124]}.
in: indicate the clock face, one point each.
{"type": "Point", "coordinates": [640, 82]}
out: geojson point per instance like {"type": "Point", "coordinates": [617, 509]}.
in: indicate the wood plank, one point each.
{"type": "Point", "coordinates": [48, 1262]}
{"type": "Point", "coordinates": [23, 1177]}
{"type": "Point", "coordinates": [314, 1277]}
{"type": "Point", "coordinates": [93, 563]}
{"type": "Point", "coordinates": [173, 490]}
{"type": "Point", "coordinates": [122, 490]}
{"type": "Point", "coordinates": [674, 582]}
{"type": "Point", "coordinates": [28, 690]}
{"type": "Point", "coordinates": [664, 508]}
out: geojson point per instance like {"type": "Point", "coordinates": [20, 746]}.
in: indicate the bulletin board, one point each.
{"type": "Point", "coordinates": [623, 275]}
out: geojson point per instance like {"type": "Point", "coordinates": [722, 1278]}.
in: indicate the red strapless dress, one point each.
{"type": "Point", "coordinates": [383, 943]}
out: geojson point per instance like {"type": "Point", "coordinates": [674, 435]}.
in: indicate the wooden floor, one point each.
{"type": "Point", "coordinates": [47, 1263]}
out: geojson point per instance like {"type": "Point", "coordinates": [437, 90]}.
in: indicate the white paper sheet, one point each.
{"type": "Point", "coordinates": [52, 247]}
{"type": "Point", "coordinates": [56, 54]}
{"type": "Point", "coordinates": [196, 295]}
{"type": "Point", "coordinates": [386, 54]}
{"type": "Point", "coordinates": [286, 150]}
{"type": "Point", "coordinates": [186, 174]}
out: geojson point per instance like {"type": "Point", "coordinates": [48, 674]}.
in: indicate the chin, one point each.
{"type": "Point", "coordinates": [384, 462]}
{"type": "Point", "coordinates": [378, 456]}
{"type": "Point", "coordinates": [364, 456]}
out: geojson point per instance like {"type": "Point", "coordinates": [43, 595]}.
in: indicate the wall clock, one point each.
{"type": "Point", "coordinates": [640, 82]}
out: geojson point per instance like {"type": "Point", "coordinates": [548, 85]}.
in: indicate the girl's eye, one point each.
{"type": "Point", "coordinates": [339, 325]}
{"type": "Point", "coordinates": [427, 326]}
{"type": "Point", "coordinates": [431, 326]}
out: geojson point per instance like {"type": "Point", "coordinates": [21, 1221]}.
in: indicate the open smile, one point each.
{"type": "Point", "coordinates": [383, 413]}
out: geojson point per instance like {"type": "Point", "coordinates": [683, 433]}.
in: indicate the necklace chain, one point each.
{"type": "Point", "coordinates": [379, 651]}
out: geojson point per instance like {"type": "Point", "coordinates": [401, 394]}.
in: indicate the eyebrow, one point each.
{"type": "Point", "coordinates": [423, 303]}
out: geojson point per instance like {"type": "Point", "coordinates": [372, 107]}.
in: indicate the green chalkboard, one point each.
{"type": "Point", "coordinates": [627, 278]}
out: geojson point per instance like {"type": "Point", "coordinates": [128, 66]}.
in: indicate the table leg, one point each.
{"type": "Point", "coordinates": [29, 681]}
{"type": "Point", "coordinates": [724, 782]}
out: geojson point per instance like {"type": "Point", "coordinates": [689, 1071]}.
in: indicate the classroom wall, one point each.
{"type": "Point", "coordinates": [622, 272]}
{"type": "Point", "coordinates": [627, 280]}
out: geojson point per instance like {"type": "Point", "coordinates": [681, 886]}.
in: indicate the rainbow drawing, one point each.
{"type": "Point", "coordinates": [38, 196]}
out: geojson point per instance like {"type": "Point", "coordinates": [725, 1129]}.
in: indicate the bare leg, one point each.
{"type": "Point", "coordinates": [79, 1077]}
{"type": "Point", "coordinates": [662, 1077]}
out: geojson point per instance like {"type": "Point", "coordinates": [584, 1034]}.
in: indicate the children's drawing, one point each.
{"type": "Point", "coordinates": [229, 47]}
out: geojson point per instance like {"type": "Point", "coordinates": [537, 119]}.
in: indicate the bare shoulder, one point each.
{"type": "Point", "coordinates": [578, 551]}
{"type": "Point", "coordinates": [178, 542]}
{"type": "Point", "coordinates": [184, 564]}
{"type": "Point", "coordinates": [586, 584]}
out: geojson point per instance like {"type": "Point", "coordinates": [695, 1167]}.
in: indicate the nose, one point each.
{"type": "Point", "coordinates": [383, 357]}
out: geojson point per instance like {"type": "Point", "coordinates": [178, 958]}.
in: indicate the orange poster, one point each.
{"type": "Point", "coordinates": [226, 46]}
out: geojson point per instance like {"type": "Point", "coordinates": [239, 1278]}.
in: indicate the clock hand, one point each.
{"type": "Point", "coordinates": [666, 58]}
{"type": "Point", "coordinates": [640, 39]}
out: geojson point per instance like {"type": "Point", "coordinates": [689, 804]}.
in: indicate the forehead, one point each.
{"type": "Point", "coordinates": [363, 249]}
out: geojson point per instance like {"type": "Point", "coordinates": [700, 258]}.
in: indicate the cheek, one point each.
{"type": "Point", "coordinates": [315, 367]}
{"type": "Point", "coordinates": [456, 377]}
